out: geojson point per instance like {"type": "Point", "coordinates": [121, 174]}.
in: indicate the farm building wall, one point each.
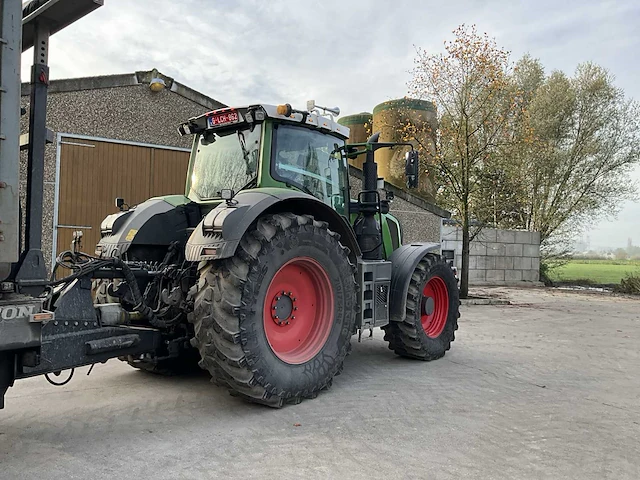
{"type": "Point", "coordinates": [119, 107]}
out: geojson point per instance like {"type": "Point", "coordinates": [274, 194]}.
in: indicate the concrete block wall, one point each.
{"type": "Point", "coordinates": [497, 257]}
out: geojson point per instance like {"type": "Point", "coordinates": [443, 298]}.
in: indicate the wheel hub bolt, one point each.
{"type": "Point", "coordinates": [282, 307]}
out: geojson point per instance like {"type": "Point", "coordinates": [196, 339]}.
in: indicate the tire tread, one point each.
{"type": "Point", "coordinates": [404, 337]}
{"type": "Point", "coordinates": [219, 336]}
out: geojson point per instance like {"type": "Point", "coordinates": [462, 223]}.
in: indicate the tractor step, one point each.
{"type": "Point", "coordinates": [375, 281]}
{"type": "Point", "coordinates": [111, 344]}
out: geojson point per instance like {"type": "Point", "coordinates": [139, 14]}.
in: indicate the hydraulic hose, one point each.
{"type": "Point", "coordinates": [83, 264]}
{"type": "Point", "coordinates": [139, 305]}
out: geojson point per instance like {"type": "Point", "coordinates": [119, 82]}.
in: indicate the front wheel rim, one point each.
{"type": "Point", "coordinates": [434, 309]}
{"type": "Point", "coordinates": [298, 310]}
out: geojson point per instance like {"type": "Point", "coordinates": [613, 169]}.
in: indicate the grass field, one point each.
{"type": "Point", "coordinates": [597, 271]}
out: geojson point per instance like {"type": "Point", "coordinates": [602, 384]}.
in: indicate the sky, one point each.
{"type": "Point", "coordinates": [350, 53]}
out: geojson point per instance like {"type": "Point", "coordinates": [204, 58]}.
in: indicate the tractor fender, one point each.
{"type": "Point", "coordinates": [220, 231]}
{"type": "Point", "coordinates": [404, 261]}
{"type": "Point", "coordinates": [155, 222]}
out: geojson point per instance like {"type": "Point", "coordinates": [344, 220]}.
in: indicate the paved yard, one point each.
{"type": "Point", "coordinates": [548, 388]}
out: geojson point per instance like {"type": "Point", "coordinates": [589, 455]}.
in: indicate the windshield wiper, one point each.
{"type": "Point", "coordinates": [245, 153]}
{"type": "Point", "coordinates": [251, 183]}
{"type": "Point", "coordinates": [301, 187]}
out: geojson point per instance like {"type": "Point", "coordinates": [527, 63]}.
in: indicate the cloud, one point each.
{"type": "Point", "coordinates": [354, 54]}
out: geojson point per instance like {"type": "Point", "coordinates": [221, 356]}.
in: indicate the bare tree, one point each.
{"type": "Point", "coordinates": [470, 86]}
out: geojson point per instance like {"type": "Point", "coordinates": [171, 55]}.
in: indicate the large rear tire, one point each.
{"type": "Point", "coordinates": [274, 322]}
{"type": "Point", "coordinates": [433, 309]}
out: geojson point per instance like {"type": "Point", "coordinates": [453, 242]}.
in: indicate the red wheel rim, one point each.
{"type": "Point", "coordinates": [435, 307]}
{"type": "Point", "coordinates": [298, 310]}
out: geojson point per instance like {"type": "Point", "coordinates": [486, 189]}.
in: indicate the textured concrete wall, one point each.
{"type": "Point", "coordinates": [497, 257]}
{"type": "Point", "coordinates": [132, 113]}
{"type": "Point", "coordinates": [418, 224]}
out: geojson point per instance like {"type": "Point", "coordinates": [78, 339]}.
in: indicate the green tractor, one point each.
{"type": "Point", "coordinates": [264, 270]}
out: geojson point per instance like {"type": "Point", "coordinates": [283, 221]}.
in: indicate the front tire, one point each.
{"type": "Point", "coordinates": [274, 322]}
{"type": "Point", "coordinates": [432, 312]}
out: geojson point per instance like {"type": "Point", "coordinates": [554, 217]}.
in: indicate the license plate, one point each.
{"type": "Point", "coordinates": [226, 118]}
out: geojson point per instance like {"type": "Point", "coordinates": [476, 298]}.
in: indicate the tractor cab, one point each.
{"type": "Point", "coordinates": [266, 146]}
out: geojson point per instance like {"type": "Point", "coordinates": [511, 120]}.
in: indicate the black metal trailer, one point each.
{"type": "Point", "coordinates": [47, 326]}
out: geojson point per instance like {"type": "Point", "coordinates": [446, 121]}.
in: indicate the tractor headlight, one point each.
{"type": "Point", "coordinates": [184, 129]}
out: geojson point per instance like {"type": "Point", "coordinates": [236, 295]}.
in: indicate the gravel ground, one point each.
{"type": "Point", "coordinates": [547, 387]}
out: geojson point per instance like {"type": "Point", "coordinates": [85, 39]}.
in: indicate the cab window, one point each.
{"type": "Point", "coordinates": [308, 159]}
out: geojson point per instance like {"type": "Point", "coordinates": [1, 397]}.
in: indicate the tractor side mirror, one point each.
{"type": "Point", "coordinates": [411, 168]}
{"type": "Point", "coordinates": [120, 204]}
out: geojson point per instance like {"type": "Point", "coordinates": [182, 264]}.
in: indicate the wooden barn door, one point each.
{"type": "Point", "coordinates": [92, 173]}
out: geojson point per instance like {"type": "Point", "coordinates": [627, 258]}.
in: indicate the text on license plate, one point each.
{"type": "Point", "coordinates": [222, 119]}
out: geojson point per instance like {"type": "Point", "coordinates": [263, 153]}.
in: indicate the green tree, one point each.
{"type": "Point", "coordinates": [517, 148]}
{"type": "Point", "coordinates": [620, 254]}
{"type": "Point", "coordinates": [578, 139]}
{"type": "Point", "coordinates": [508, 196]}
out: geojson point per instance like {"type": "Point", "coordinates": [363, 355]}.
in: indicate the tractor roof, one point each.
{"type": "Point", "coordinates": [233, 115]}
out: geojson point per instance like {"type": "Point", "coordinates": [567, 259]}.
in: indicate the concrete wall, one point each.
{"type": "Point", "coordinates": [129, 112]}
{"type": "Point", "coordinates": [497, 257]}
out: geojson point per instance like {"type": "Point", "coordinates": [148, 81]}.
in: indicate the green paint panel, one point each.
{"type": "Point", "coordinates": [264, 168]}
{"type": "Point", "coordinates": [387, 240]}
